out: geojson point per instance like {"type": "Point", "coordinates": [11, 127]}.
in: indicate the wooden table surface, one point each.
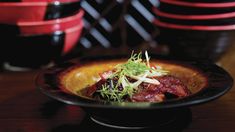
{"type": "Point", "coordinates": [24, 108]}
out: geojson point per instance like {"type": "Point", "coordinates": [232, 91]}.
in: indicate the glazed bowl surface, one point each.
{"type": "Point", "coordinates": [205, 80]}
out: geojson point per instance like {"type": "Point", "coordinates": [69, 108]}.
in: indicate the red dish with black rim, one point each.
{"type": "Point", "coordinates": [193, 17]}
{"type": "Point", "coordinates": [175, 6]}
{"type": "Point", "coordinates": [208, 1]}
{"type": "Point", "coordinates": [197, 3]}
{"type": "Point", "coordinates": [194, 27]}
{"type": "Point", "coordinates": [34, 51]}
{"type": "Point", "coordinates": [36, 11]}
{"type": "Point", "coordinates": [42, 27]}
{"type": "Point", "coordinates": [216, 19]}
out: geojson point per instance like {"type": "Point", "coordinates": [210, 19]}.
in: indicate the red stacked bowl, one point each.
{"type": "Point", "coordinates": [36, 10]}
{"type": "Point", "coordinates": [38, 32]}
{"type": "Point", "coordinates": [197, 28]}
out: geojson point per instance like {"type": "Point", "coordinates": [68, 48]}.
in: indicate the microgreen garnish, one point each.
{"type": "Point", "coordinates": [136, 69]}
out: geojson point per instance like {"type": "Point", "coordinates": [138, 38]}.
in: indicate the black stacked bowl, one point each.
{"type": "Point", "coordinates": [196, 29]}
{"type": "Point", "coordinates": [195, 43]}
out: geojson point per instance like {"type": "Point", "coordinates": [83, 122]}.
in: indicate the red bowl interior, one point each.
{"type": "Point", "coordinates": [193, 17]}
{"type": "Point", "coordinates": [194, 27]}
{"type": "Point", "coordinates": [196, 4]}
{"type": "Point", "coordinates": [51, 25]}
{"type": "Point", "coordinates": [24, 11]}
{"type": "Point", "coordinates": [72, 35]}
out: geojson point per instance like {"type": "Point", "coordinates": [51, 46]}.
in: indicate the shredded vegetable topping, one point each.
{"type": "Point", "coordinates": [125, 79]}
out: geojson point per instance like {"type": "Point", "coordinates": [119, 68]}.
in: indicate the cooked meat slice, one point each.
{"type": "Point", "coordinates": [92, 89]}
{"type": "Point", "coordinates": [147, 97]}
{"type": "Point", "coordinates": [173, 85]}
{"type": "Point", "coordinates": [155, 93]}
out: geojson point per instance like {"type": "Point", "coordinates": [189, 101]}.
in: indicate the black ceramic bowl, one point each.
{"type": "Point", "coordinates": [206, 20]}
{"type": "Point", "coordinates": [35, 51]}
{"type": "Point", "coordinates": [176, 6]}
{"type": "Point", "coordinates": [201, 42]}
{"type": "Point", "coordinates": [215, 82]}
{"type": "Point", "coordinates": [14, 12]}
{"type": "Point", "coordinates": [210, 22]}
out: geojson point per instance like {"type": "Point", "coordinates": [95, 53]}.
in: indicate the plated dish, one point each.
{"type": "Point", "coordinates": [71, 81]}
{"type": "Point", "coordinates": [136, 80]}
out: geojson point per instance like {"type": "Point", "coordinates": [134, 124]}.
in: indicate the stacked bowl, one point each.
{"type": "Point", "coordinates": [37, 32]}
{"type": "Point", "coordinates": [196, 28]}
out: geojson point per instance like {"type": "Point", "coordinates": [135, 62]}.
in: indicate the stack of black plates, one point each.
{"type": "Point", "coordinates": [196, 28]}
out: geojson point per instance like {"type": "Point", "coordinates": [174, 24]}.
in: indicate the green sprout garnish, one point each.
{"type": "Point", "coordinates": [135, 68]}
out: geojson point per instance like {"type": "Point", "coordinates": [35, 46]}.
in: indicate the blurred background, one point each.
{"type": "Point", "coordinates": [118, 27]}
{"type": "Point", "coordinates": [52, 31]}
{"type": "Point", "coordinates": [125, 24]}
